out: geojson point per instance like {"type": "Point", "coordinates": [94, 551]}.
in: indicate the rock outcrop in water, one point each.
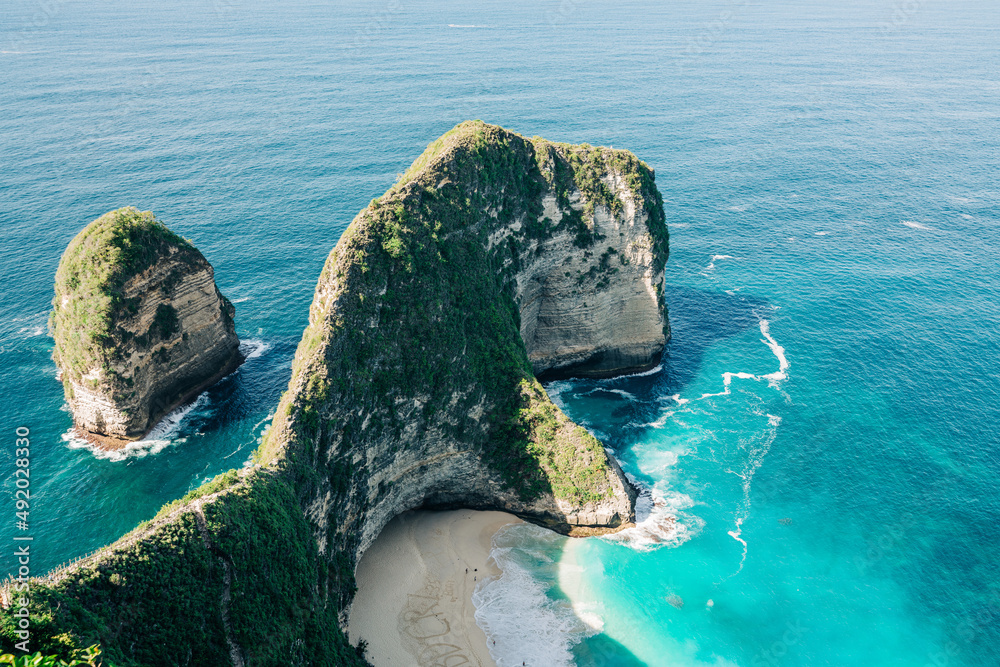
{"type": "Point", "coordinates": [139, 325]}
{"type": "Point", "coordinates": [495, 258]}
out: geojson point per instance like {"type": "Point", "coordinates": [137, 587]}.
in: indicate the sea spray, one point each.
{"type": "Point", "coordinates": [137, 449]}
{"type": "Point", "coordinates": [660, 520]}
{"type": "Point", "coordinates": [253, 348]}
{"type": "Point", "coordinates": [161, 436]}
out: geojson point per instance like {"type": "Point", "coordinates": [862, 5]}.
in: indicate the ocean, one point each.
{"type": "Point", "coordinates": [818, 449]}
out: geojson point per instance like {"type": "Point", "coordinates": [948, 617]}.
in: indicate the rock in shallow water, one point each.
{"type": "Point", "coordinates": [139, 325]}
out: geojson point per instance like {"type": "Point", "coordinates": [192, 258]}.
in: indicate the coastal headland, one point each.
{"type": "Point", "coordinates": [494, 259]}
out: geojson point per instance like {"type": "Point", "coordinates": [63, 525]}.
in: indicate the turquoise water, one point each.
{"type": "Point", "coordinates": [828, 168]}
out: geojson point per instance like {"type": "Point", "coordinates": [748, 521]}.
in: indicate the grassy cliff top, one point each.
{"type": "Point", "coordinates": [562, 167]}
{"type": "Point", "coordinates": [90, 282]}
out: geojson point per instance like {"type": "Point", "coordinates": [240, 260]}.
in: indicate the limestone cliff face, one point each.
{"type": "Point", "coordinates": [495, 258]}
{"type": "Point", "coordinates": [139, 324]}
{"type": "Point", "coordinates": [595, 311]}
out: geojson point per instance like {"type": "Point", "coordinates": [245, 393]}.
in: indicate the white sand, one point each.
{"type": "Point", "coordinates": [414, 600]}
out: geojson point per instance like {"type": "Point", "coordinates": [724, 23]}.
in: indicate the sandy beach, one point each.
{"type": "Point", "coordinates": [415, 584]}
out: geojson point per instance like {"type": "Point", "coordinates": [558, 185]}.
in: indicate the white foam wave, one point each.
{"type": "Point", "coordinates": [138, 449]}
{"type": "Point", "coordinates": [251, 349]}
{"type": "Point", "coordinates": [660, 520]}
{"type": "Point", "coordinates": [756, 451]}
{"type": "Point", "coordinates": [779, 352]}
{"type": "Point", "coordinates": [620, 392]}
{"type": "Point", "coordinates": [717, 258]}
{"type": "Point", "coordinates": [642, 374]}
{"type": "Point", "coordinates": [735, 534]}
{"type": "Point", "coordinates": [773, 379]}
{"type": "Point", "coordinates": [659, 422]}
{"type": "Point", "coordinates": [915, 225]}
{"type": "Point", "coordinates": [160, 437]}
{"type": "Point", "coordinates": [167, 427]}
{"type": "Point", "coordinates": [32, 332]}
{"type": "Point", "coordinates": [727, 381]}
{"type": "Point", "coordinates": [522, 623]}
{"type": "Point", "coordinates": [822, 233]}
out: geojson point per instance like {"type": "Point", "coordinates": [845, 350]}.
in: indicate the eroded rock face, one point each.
{"type": "Point", "coordinates": [443, 474]}
{"type": "Point", "coordinates": [594, 311]}
{"type": "Point", "coordinates": [139, 324]}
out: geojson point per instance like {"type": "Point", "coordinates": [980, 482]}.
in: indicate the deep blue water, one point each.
{"type": "Point", "coordinates": [828, 168]}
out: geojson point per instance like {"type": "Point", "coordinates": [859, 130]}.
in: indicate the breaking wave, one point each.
{"type": "Point", "coordinates": [251, 349]}
{"type": "Point", "coordinates": [660, 520]}
{"type": "Point", "coordinates": [161, 436]}
{"type": "Point", "coordinates": [523, 624]}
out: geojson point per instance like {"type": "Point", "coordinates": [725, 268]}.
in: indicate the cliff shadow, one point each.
{"type": "Point", "coordinates": [698, 320]}
{"type": "Point", "coordinates": [603, 651]}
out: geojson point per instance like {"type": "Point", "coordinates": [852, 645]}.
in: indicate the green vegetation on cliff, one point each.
{"type": "Point", "coordinates": [90, 300]}
{"type": "Point", "coordinates": [565, 166]}
{"type": "Point", "coordinates": [154, 598]}
{"type": "Point", "coordinates": [88, 657]}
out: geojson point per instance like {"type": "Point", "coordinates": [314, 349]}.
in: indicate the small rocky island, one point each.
{"type": "Point", "coordinates": [495, 259]}
{"type": "Point", "coordinates": [139, 325]}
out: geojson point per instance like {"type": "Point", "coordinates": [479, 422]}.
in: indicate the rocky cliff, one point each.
{"type": "Point", "coordinates": [493, 259]}
{"type": "Point", "coordinates": [590, 284]}
{"type": "Point", "coordinates": [139, 325]}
